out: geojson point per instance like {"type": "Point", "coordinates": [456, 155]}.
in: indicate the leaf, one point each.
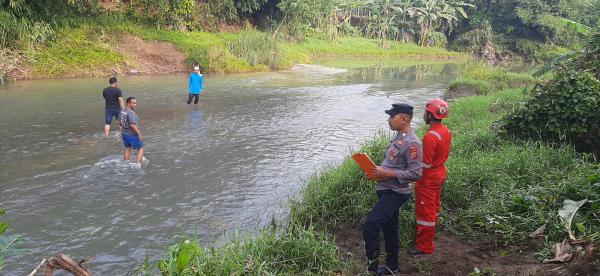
{"type": "Point", "coordinates": [7, 244]}
{"type": "Point", "coordinates": [185, 255]}
{"type": "Point", "coordinates": [3, 227]}
{"type": "Point", "coordinates": [567, 212]}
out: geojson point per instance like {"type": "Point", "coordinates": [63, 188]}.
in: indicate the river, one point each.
{"type": "Point", "coordinates": [230, 162]}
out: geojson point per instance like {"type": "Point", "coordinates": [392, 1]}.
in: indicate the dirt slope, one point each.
{"type": "Point", "coordinates": [150, 58]}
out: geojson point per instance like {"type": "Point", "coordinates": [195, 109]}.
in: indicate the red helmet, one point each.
{"type": "Point", "coordinates": [438, 108]}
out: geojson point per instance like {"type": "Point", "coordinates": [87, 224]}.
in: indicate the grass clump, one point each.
{"type": "Point", "coordinates": [295, 250]}
{"type": "Point", "coordinates": [481, 79]}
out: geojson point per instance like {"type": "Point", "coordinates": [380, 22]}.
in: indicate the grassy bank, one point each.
{"type": "Point", "coordinates": [88, 48]}
{"type": "Point", "coordinates": [481, 79]}
{"type": "Point", "coordinates": [499, 190]}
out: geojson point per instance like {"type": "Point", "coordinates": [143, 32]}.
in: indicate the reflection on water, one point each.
{"type": "Point", "coordinates": [232, 161]}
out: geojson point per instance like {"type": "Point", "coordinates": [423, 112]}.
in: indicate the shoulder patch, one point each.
{"type": "Point", "coordinates": [413, 152]}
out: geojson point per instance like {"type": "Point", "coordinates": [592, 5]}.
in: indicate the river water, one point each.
{"type": "Point", "coordinates": [230, 162]}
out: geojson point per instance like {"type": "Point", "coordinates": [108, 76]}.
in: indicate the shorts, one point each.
{"type": "Point", "coordinates": [110, 113]}
{"type": "Point", "coordinates": [132, 141]}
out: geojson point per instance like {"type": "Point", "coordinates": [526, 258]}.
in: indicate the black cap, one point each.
{"type": "Point", "coordinates": [400, 108]}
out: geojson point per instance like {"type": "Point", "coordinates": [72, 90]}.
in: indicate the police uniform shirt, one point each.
{"type": "Point", "coordinates": [403, 156]}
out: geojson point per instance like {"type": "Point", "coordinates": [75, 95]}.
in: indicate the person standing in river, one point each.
{"type": "Point", "coordinates": [196, 81]}
{"type": "Point", "coordinates": [113, 103]}
{"type": "Point", "coordinates": [132, 137]}
{"type": "Point", "coordinates": [401, 166]}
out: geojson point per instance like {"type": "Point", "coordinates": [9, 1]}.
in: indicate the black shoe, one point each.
{"type": "Point", "coordinates": [385, 270]}
{"type": "Point", "coordinates": [414, 251]}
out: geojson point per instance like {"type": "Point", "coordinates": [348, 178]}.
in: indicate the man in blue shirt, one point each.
{"type": "Point", "coordinates": [195, 86]}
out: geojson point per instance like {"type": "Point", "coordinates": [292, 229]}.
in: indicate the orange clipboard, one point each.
{"type": "Point", "coordinates": [366, 164]}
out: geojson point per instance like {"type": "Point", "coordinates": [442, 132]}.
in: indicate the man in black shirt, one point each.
{"type": "Point", "coordinates": [113, 98]}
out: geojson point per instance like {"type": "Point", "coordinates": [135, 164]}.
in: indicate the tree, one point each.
{"type": "Point", "coordinates": [430, 12]}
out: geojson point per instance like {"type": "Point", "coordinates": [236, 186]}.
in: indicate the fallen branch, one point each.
{"type": "Point", "coordinates": [61, 261]}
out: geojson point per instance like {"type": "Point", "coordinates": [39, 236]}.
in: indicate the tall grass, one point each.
{"type": "Point", "coordinates": [295, 250]}
{"type": "Point", "coordinates": [508, 188]}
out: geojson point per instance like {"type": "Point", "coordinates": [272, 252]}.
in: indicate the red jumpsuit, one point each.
{"type": "Point", "coordinates": [436, 148]}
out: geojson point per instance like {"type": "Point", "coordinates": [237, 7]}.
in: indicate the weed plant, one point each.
{"type": "Point", "coordinates": [295, 250]}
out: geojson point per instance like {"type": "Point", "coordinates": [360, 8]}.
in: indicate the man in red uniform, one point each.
{"type": "Point", "coordinates": [436, 148]}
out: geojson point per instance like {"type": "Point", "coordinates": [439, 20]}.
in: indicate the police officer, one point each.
{"type": "Point", "coordinates": [402, 165]}
{"type": "Point", "coordinates": [436, 148]}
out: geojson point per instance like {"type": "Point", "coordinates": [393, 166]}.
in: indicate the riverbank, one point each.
{"type": "Point", "coordinates": [108, 46]}
{"type": "Point", "coordinates": [499, 191]}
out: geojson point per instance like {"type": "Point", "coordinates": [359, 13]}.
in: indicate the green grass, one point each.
{"type": "Point", "coordinates": [294, 251]}
{"type": "Point", "coordinates": [496, 187]}
{"type": "Point", "coordinates": [481, 79]}
{"type": "Point", "coordinates": [362, 47]}
{"type": "Point", "coordinates": [87, 48]}
{"type": "Point", "coordinates": [81, 51]}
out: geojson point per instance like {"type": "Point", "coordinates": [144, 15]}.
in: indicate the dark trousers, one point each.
{"type": "Point", "coordinates": [384, 217]}
{"type": "Point", "coordinates": [195, 97]}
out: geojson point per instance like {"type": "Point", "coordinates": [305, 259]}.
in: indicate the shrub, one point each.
{"type": "Point", "coordinates": [563, 109]}
{"type": "Point", "coordinates": [436, 39]}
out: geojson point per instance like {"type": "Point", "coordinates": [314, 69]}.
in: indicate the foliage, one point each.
{"type": "Point", "coordinates": [77, 51]}
{"type": "Point", "coordinates": [432, 12]}
{"type": "Point", "coordinates": [27, 23]}
{"type": "Point", "coordinates": [508, 188]}
{"type": "Point", "coordinates": [436, 39]}
{"type": "Point", "coordinates": [562, 109]}
{"type": "Point", "coordinates": [8, 242]}
{"type": "Point", "coordinates": [273, 252]}
{"type": "Point", "coordinates": [257, 48]}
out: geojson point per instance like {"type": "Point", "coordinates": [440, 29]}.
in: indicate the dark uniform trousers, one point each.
{"type": "Point", "coordinates": [384, 217]}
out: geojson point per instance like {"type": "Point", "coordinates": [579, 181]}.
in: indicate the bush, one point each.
{"type": "Point", "coordinates": [564, 109]}
{"type": "Point", "coordinates": [436, 39]}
